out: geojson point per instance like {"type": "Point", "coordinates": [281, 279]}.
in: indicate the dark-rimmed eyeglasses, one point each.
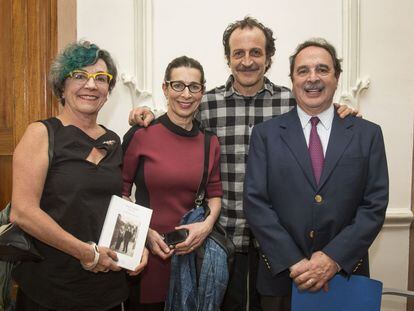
{"type": "Point", "coordinates": [179, 86]}
{"type": "Point", "coordinates": [81, 77]}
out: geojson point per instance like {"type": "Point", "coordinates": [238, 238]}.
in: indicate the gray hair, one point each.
{"type": "Point", "coordinates": [318, 42]}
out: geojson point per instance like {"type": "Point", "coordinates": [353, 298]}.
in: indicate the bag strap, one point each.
{"type": "Point", "coordinates": [203, 184]}
{"type": "Point", "coordinates": [218, 234]}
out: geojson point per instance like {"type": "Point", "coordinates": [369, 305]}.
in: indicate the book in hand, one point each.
{"type": "Point", "coordinates": [356, 293]}
{"type": "Point", "coordinates": [125, 231]}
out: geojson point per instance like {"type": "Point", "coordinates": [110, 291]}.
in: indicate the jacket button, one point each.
{"type": "Point", "coordinates": [311, 234]}
{"type": "Point", "coordinates": [318, 198]}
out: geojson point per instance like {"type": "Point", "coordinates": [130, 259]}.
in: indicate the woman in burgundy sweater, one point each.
{"type": "Point", "coordinates": [165, 162]}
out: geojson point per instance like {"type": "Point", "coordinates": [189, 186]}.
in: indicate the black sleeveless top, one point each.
{"type": "Point", "coordinates": [76, 195]}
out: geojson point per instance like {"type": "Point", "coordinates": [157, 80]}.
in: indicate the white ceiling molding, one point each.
{"type": "Point", "coordinates": [140, 82]}
{"type": "Point", "coordinates": [352, 84]}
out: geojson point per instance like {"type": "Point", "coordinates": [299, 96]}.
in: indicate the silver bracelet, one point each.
{"type": "Point", "coordinates": [95, 259]}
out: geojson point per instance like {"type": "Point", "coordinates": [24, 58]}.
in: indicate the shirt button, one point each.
{"type": "Point", "coordinates": [311, 234]}
{"type": "Point", "coordinates": [318, 198]}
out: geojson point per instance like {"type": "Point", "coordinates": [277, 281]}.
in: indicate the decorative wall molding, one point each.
{"type": "Point", "coordinates": [140, 82]}
{"type": "Point", "coordinates": [398, 218]}
{"type": "Point", "coordinates": [352, 84]}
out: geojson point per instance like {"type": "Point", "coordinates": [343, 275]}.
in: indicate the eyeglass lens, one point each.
{"type": "Point", "coordinates": [83, 77]}
{"type": "Point", "coordinates": [180, 86]}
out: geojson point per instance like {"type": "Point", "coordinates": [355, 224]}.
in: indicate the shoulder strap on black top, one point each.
{"type": "Point", "coordinates": [51, 134]}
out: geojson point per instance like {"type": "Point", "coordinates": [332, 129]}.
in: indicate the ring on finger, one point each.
{"type": "Point", "coordinates": [310, 282]}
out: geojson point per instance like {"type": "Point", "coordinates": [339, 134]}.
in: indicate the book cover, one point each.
{"type": "Point", "coordinates": [125, 231]}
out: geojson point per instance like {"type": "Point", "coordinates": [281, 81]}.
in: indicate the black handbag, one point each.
{"type": "Point", "coordinates": [15, 244]}
{"type": "Point", "coordinates": [218, 234]}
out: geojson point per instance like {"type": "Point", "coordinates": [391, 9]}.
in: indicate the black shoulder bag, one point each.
{"type": "Point", "coordinates": [218, 234]}
{"type": "Point", "coordinates": [15, 244]}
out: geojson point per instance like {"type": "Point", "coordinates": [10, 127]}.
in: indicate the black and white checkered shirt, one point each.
{"type": "Point", "coordinates": [232, 117]}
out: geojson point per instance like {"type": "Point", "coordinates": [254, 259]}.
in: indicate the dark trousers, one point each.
{"type": "Point", "coordinates": [24, 303]}
{"type": "Point", "coordinates": [239, 289]}
{"type": "Point", "coordinates": [147, 307]}
{"type": "Point", "coordinates": [133, 302]}
{"type": "Point", "coordinates": [271, 303]}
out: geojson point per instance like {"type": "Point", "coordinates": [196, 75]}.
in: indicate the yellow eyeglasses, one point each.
{"type": "Point", "coordinates": [81, 77]}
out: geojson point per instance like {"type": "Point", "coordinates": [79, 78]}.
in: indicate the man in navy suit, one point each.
{"type": "Point", "coordinates": [316, 186]}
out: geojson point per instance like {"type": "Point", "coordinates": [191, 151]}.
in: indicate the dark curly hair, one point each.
{"type": "Point", "coordinates": [251, 23]}
{"type": "Point", "coordinates": [184, 61]}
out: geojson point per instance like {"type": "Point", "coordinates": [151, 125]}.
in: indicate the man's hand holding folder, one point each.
{"type": "Point", "coordinates": [314, 274]}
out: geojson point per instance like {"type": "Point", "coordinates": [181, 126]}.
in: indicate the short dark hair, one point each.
{"type": "Point", "coordinates": [251, 23]}
{"type": "Point", "coordinates": [318, 42]}
{"type": "Point", "coordinates": [76, 56]}
{"type": "Point", "coordinates": [184, 61]}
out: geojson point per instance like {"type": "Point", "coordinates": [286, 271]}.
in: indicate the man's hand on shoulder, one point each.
{"type": "Point", "coordinates": [141, 116]}
{"type": "Point", "coordinates": [320, 269]}
{"type": "Point", "coordinates": [345, 110]}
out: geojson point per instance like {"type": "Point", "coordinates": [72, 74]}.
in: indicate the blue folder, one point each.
{"type": "Point", "coordinates": [357, 293]}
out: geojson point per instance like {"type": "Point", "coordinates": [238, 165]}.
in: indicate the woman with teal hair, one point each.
{"type": "Point", "coordinates": [63, 205]}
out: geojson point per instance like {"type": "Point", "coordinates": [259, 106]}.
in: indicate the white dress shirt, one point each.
{"type": "Point", "coordinates": [324, 130]}
{"type": "Point", "coordinates": [324, 126]}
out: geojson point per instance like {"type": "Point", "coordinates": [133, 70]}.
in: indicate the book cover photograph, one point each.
{"type": "Point", "coordinates": [125, 231]}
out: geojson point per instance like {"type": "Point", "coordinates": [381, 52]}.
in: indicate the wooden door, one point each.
{"type": "Point", "coordinates": [28, 43]}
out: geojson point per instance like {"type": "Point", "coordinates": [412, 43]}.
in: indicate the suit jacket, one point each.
{"type": "Point", "coordinates": [292, 217]}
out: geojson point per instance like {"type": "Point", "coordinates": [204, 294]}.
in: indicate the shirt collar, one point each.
{"type": "Point", "coordinates": [165, 120]}
{"type": "Point", "coordinates": [325, 117]}
{"type": "Point", "coordinates": [229, 88]}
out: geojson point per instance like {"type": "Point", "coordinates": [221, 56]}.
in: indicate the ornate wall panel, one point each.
{"type": "Point", "coordinates": [140, 81]}
{"type": "Point", "coordinates": [352, 85]}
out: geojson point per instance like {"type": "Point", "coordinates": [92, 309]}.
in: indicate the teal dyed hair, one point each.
{"type": "Point", "coordinates": [76, 56]}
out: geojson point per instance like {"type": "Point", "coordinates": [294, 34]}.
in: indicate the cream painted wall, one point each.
{"type": "Point", "coordinates": [387, 32]}
{"type": "Point", "coordinates": [199, 30]}
{"type": "Point", "coordinates": [110, 24]}
{"type": "Point", "coordinates": [387, 57]}
{"type": "Point", "coordinates": [195, 28]}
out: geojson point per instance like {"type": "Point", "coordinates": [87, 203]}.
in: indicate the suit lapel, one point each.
{"type": "Point", "coordinates": [292, 135]}
{"type": "Point", "coordinates": [339, 139]}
